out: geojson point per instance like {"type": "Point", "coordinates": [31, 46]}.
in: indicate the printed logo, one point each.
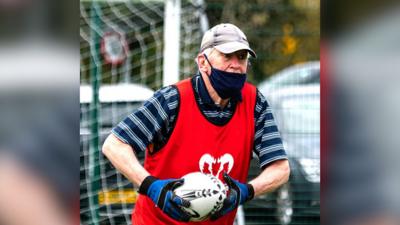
{"type": "Point", "coordinates": [215, 166]}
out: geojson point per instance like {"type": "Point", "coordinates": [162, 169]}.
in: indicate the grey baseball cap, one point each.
{"type": "Point", "coordinates": [226, 38]}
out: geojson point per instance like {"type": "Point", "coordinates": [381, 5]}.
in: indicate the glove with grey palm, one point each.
{"type": "Point", "coordinates": [239, 193]}
{"type": "Point", "coordinates": [161, 192]}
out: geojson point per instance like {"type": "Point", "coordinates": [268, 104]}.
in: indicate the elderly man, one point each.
{"type": "Point", "coordinates": [214, 118]}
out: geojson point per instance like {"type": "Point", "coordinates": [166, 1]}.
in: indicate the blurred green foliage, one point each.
{"type": "Point", "coordinates": [282, 32]}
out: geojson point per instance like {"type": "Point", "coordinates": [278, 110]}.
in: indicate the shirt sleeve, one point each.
{"type": "Point", "coordinates": [153, 119]}
{"type": "Point", "coordinates": [267, 139]}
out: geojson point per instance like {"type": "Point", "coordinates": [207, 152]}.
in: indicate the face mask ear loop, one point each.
{"type": "Point", "coordinates": [205, 56]}
{"type": "Point", "coordinates": [207, 60]}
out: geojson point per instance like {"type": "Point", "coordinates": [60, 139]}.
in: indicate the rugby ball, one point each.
{"type": "Point", "coordinates": [205, 192]}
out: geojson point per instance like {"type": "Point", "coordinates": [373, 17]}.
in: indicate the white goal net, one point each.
{"type": "Point", "coordinates": [121, 48]}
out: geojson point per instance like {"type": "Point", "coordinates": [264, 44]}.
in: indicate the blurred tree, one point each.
{"type": "Point", "coordinates": [282, 32]}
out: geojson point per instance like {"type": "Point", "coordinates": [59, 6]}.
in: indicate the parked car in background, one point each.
{"type": "Point", "coordinates": [116, 102]}
{"type": "Point", "coordinates": [116, 196]}
{"type": "Point", "coordinates": [297, 113]}
{"type": "Point", "coordinates": [298, 74]}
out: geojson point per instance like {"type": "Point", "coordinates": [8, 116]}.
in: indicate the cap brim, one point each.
{"type": "Point", "coordinates": [231, 47]}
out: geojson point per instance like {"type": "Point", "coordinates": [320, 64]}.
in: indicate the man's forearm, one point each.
{"type": "Point", "coordinates": [271, 177]}
{"type": "Point", "coordinates": [123, 158]}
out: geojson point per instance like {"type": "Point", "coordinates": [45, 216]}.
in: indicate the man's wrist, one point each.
{"type": "Point", "coordinates": [251, 191]}
{"type": "Point", "coordinates": [144, 186]}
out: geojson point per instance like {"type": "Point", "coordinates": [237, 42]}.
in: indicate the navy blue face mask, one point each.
{"type": "Point", "coordinates": [226, 84]}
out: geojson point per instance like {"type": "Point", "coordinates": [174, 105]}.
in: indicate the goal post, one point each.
{"type": "Point", "coordinates": [172, 23]}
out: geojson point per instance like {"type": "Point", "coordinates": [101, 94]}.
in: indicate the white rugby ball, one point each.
{"type": "Point", "coordinates": [205, 192]}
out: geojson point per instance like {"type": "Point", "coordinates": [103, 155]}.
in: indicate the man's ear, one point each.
{"type": "Point", "coordinates": [203, 65]}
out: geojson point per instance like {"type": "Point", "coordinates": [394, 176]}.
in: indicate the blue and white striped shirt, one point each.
{"type": "Point", "coordinates": [154, 121]}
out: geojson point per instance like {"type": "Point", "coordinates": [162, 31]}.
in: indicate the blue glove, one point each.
{"type": "Point", "coordinates": [239, 193]}
{"type": "Point", "coordinates": [161, 192]}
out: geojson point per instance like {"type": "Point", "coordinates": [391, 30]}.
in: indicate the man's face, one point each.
{"type": "Point", "coordinates": [235, 62]}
